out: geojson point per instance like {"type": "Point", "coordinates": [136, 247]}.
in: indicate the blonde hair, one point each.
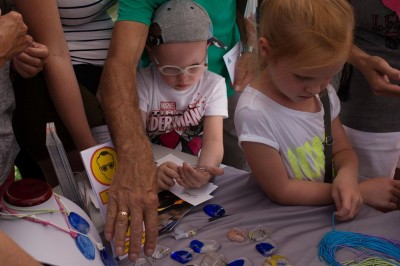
{"type": "Point", "coordinates": [312, 33]}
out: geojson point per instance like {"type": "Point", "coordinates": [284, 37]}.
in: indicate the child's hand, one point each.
{"type": "Point", "coordinates": [31, 60]}
{"type": "Point", "coordinates": [167, 173]}
{"type": "Point", "coordinates": [382, 193]}
{"type": "Point", "coordinates": [195, 177]}
{"type": "Point", "coordinates": [347, 197]}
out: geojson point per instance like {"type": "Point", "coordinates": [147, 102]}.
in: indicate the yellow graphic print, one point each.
{"type": "Point", "coordinates": [104, 164]}
{"type": "Point", "coordinates": [307, 161]}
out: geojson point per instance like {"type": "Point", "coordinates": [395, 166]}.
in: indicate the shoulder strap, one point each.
{"type": "Point", "coordinates": [328, 137]}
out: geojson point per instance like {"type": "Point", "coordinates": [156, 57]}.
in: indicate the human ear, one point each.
{"type": "Point", "coordinates": [263, 46]}
{"type": "Point", "coordinates": [264, 52]}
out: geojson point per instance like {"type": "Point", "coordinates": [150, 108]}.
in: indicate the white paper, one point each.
{"type": "Point", "coordinates": [231, 58]}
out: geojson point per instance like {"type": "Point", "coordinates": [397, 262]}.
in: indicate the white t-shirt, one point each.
{"type": "Point", "coordinates": [298, 136]}
{"type": "Point", "coordinates": [175, 118]}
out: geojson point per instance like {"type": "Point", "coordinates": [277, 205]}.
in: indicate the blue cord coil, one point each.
{"type": "Point", "coordinates": [365, 247]}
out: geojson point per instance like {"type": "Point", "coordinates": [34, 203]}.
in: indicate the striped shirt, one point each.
{"type": "Point", "coordinates": [87, 28]}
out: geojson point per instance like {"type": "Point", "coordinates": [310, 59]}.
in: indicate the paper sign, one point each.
{"type": "Point", "coordinates": [231, 58]}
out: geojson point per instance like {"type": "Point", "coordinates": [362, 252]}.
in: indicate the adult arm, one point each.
{"type": "Point", "coordinates": [45, 27]}
{"type": "Point", "coordinates": [134, 187]}
{"type": "Point", "coordinates": [13, 37]}
{"type": "Point", "coordinates": [379, 74]}
{"type": "Point", "coordinates": [247, 65]}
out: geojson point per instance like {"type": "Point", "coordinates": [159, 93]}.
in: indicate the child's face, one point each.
{"type": "Point", "coordinates": [190, 56]}
{"type": "Point", "coordinates": [301, 85]}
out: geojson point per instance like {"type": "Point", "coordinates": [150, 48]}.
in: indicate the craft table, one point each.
{"type": "Point", "coordinates": [296, 230]}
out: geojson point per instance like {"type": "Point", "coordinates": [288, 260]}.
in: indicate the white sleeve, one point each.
{"type": "Point", "coordinates": [252, 124]}
{"type": "Point", "coordinates": [334, 101]}
{"type": "Point", "coordinates": [217, 104]}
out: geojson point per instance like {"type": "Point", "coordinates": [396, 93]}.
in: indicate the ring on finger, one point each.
{"type": "Point", "coordinates": [123, 213]}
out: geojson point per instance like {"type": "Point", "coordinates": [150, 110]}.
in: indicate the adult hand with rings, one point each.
{"type": "Point", "coordinates": [133, 193]}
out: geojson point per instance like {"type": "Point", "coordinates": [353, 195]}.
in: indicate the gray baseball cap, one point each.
{"type": "Point", "coordinates": [180, 21]}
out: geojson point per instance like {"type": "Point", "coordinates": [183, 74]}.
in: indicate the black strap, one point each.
{"type": "Point", "coordinates": [328, 137]}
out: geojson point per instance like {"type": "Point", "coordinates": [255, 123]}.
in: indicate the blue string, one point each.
{"type": "Point", "coordinates": [363, 246]}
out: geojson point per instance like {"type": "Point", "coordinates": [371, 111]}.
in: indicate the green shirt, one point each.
{"type": "Point", "coordinates": [223, 17]}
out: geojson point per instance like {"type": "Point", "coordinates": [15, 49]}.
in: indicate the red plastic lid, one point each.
{"type": "Point", "coordinates": [27, 192]}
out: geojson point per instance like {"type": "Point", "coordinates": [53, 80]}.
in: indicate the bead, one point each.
{"type": "Point", "coordinates": [214, 210]}
{"type": "Point", "coordinates": [185, 231]}
{"type": "Point", "coordinates": [267, 248]}
{"type": "Point", "coordinates": [182, 256]}
{"type": "Point", "coordinates": [276, 260]}
{"type": "Point", "coordinates": [260, 233]}
{"type": "Point", "coordinates": [160, 252]}
{"type": "Point", "coordinates": [240, 262]}
{"type": "Point", "coordinates": [213, 259]}
{"type": "Point", "coordinates": [237, 234]}
{"type": "Point", "coordinates": [107, 258]}
{"type": "Point", "coordinates": [204, 246]}
{"type": "Point", "coordinates": [142, 262]}
{"type": "Point", "coordinates": [86, 246]}
{"type": "Point", "coordinates": [78, 223]}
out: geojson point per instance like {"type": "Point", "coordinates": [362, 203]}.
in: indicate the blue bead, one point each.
{"type": "Point", "coordinates": [266, 249]}
{"type": "Point", "coordinates": [107, 258]}
{"type": "Point", "coordinates": [239, 262]}
{"type": "Point", "coordinates": [86, 246]}
{"type": "Point", "coordinates": [182, 256]}
{"type": "Point", "coordinates": [78, 223]}
{"type": "Point", "coordinates": [196, 245]}
{"type": "Point", "coordinates": [214, 210]}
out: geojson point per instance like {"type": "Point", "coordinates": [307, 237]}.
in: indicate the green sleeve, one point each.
{"type": "Point", "coordinates": [138, 10]}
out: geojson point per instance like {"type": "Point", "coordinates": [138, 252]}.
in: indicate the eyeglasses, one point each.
{"type": "Point", "coordinates": [171, 70]}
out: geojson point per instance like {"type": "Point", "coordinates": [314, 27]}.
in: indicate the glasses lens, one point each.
{"type": "Point", "coordinates": [195, 70]}
{"type": "Point", "coordinates": [103, 168]}
{"type": "Point", "coordinates": [170, 70]}
{"type": "Point", "coordinates": [111, 165]}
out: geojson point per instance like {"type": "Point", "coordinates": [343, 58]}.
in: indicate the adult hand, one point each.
{"type": "Point", "coordinates": [377, 71]}
{"type": "Point", "coordinates": [133, 193]}
{"type": "Point", "coordinates": [245, 70]}
{"type": "Point", "coordinates": [31, 61]}
{"type": "Point", "coordinates": [13, 37]}
{"type": "Point", "coordinates": [195, 177]}
{"type": "Point", "coordinates": [347, 197]}
{"type": "Point", "coordinates": [380, 76]}
{"type": "Point", "coordinates": [167, 173]}
{"type": "Point", "coordinates": [382, 193]}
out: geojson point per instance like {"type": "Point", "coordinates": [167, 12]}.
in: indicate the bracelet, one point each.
{"type": "Point", "coordinates": [248, 49]}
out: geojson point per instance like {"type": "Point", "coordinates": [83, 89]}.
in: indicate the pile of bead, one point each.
{"type": "Point", "coordinates": [195, 246]}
